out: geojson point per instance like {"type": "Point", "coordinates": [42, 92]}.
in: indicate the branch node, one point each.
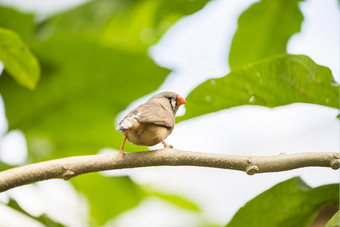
{"type": "Point", "coordinates": [68, 174]}
{"type": "Point", "coordinates": [335, 164]}
{"type": "Point", "coordinates": [252, 169]}
{"type": "Point", "coordinates": [336, 155]}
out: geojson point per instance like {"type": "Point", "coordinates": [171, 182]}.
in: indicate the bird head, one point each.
{"type": "Point", "coordinates": [170, 99]}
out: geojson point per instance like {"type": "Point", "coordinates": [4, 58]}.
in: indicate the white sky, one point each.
{"type": "Point", "coordinates": [197, 48]}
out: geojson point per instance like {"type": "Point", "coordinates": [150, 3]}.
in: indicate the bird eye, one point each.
{"type": "Point", "coordinates": [170, 101]}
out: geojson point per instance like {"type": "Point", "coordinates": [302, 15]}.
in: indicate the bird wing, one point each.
{"type": "Point", "coordinates": [160, 117]}
{"type": "Point", "coordinates": [151, 113]}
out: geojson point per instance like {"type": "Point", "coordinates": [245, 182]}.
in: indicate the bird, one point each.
{"type": "Point", "coordinates": [151, 122]}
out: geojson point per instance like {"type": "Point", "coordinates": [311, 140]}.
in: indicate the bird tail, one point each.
{"type": "Point", "coordinates": [127, 123]}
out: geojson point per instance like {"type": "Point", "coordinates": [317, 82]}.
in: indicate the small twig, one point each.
{"type": "Point", "coordinates": [67, 168]}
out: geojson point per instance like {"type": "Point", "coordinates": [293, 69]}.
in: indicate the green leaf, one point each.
{"type": "Point", "coordinates": [18, 60]}
{"type": "Point", "coordinates": [264, 30]}
{"type": "Point", "coordinates": [21, 23]}
{"type": "Point", "coordinates": [174, 199]}
{"type": "Point", "coordinates": [84, 85]}
{"type": "Point", "coordinates": [288, 204]}
{"type": "Point", "coordinates": [108, 196]}
{"type": "Point", "coordinates": [273, 82]}
{"type": "Point", "coordinates": [43, 219]}
{"type": "Point", "coordinates": [334, 222]}
{"type": "Point", "coordinates": [4, 166]}
{"type": "Point", "coordinates": [126, 24]}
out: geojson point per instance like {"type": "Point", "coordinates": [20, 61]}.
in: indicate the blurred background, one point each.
{"type": "Point", "coordinates": [100, 59]}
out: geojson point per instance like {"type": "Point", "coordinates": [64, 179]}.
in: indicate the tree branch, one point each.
{"type": "Point", "coordinates": [66, 168]}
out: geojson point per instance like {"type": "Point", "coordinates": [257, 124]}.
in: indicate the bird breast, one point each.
{"type": "Point", "coordinates": [146, 134]}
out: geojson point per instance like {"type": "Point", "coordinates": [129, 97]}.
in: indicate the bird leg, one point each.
{"type": "Point", "coordinates": [164, 144]}
{"type": "Point", "coordinates": [121, 150]}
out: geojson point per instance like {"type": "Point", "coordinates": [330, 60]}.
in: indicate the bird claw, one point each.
{"type": "Point", "coordinates": [166, 145]}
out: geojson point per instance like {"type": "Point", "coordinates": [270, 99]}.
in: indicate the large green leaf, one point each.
{"type": "Point", "coordinates": [264, 30]}
{"type": "Point", "coordinates": [21, 23]}
{"type": "Point", "coordinates": [272, 82]}
{"type": "Point", "coordinates": [288, 204]}
{"type": "Point", "coordinates": [84, 86]}
{"type": "Point", "coordinates": [109, 196]}
{"type": "Point", "coordinates": [16, 56]}
{"type": "Point", "coordinates": [125, 24]}
{"type": "Point", "coordinates": [18, 60]}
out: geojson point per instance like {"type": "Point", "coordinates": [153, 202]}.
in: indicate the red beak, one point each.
{"type": "Point", "coordinates": [180, 101]}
